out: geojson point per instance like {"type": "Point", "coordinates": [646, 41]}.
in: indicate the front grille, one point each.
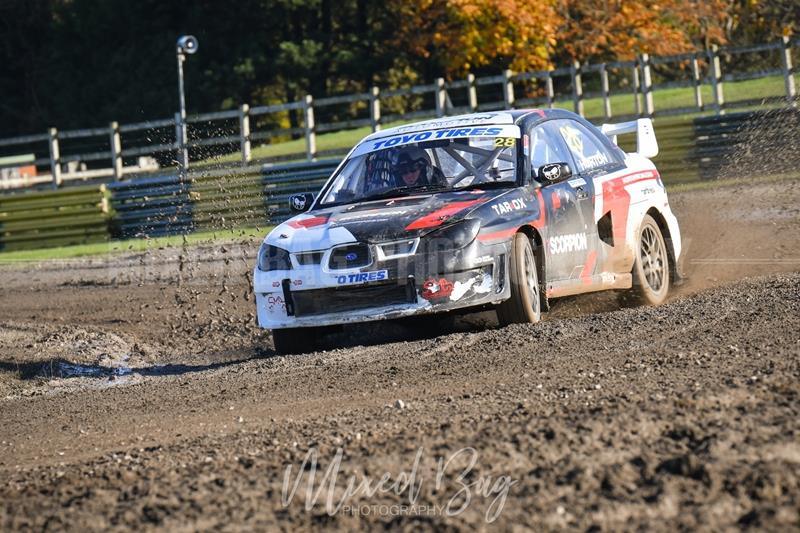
{"type": "Point", "coordinates": [396, 249]}
{"type": "Point", "coordinates": [309, 258]}
{"type": "Point", "coordinates": [344, 299]}
{"type": "Point", "coordinates": [350, 256]}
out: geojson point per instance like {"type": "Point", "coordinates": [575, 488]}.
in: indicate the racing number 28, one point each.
{"type": "Point", "coordinates": [504, 142]}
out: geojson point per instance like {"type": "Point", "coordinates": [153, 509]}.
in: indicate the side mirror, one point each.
{"type": "Point", "coordinates": [300, 203]}
{"type": "Point", "coordinates": [554, 172]}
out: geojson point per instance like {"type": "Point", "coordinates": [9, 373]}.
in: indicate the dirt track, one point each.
{"type": "Point", "coordinates": [682, 415]}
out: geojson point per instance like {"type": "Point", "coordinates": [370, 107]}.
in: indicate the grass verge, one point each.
{"type": "Point", "coordinates": [135, 245]}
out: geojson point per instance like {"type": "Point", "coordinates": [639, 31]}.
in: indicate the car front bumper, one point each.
{"type": "Point", "coordinates": [413, 285]}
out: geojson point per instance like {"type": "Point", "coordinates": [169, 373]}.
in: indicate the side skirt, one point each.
{"type": "Point", "coordinates": [597, 282]}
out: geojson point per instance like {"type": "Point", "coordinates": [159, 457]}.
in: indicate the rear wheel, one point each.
{"type": "Point", "coordinates": [651, 267]}
{"type": "Point", "coordinates": [524, 306]}
{"type": "Point", "coordinates": [294, 340]}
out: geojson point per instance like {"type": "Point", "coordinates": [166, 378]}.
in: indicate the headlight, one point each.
{"type": "Point", "coordinates": [452, 237]}
{"type": "Point", "coordinates": [273, 258]}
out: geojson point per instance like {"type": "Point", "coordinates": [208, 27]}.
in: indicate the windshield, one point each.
{"type": "Point", "coordinates": [435, 165]}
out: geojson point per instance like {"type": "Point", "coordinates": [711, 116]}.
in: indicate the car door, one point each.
{"type": "Point", "coordinates": [570, 229]}
{"type": "Point", "coordinates": [593, 160]}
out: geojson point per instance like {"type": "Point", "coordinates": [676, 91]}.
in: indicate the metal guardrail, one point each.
{"type": "Point", "coordinates": [75, 215]}
{"type": "Point", "coordinates": [122, 144]}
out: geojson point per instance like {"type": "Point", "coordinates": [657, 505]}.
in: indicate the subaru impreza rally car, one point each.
{"type": "Point", "coordinates": [504, 210]}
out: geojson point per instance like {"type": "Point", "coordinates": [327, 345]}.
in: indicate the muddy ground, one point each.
{"type": "Point", "coordinates": [136, 392]}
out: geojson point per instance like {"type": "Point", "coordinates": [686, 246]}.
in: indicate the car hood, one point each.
{"type": "Point", "coordinates": [378, 220]}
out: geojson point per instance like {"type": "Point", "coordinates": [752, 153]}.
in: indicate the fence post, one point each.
{"type": "Point", "coordinates": [604, 89]}
{"type": "Point", "coordinates": [472, 92]}
{"type": "Point", "coordinates": [698, 82]}
{"type": "Point", "coordinates": [577, 87]}
{"type": "Point", "coordinates": [440, 95]}
{"type": "Point", "coordinates": [311, 129]}
{"type": "Point", "coordinates": [116, 150]}
{"type": "Point", "coordinates": [637, 102]}
{"type": "Point", "coordinates": [244, 134]}
{"type": "Point", "coordinates": [716, 79]}
{"type": "Point", "coordinates": [788, 71]}
{"type": "Point", "coordinates": [548, 87]}
{"type": "Point", "coordinates": [375, 108]}
{"type": "Point", "coordinates": [55, 157]}
{"type": "Point", "coordinates": [508, 89]}
{"type": "Point", "coordinates": [647, 86]}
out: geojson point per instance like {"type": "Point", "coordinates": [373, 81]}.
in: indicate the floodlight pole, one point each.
{"type": "Point", "coordinates": [183, 151]}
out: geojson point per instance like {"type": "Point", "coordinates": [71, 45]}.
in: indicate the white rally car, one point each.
{"type": "Point", "coordinates": [504, 211]}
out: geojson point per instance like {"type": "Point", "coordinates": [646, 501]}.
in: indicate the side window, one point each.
{"type": "Point", "coordinates": [589, 154]}
{"type": "Point", "coordinates": [547, 147]}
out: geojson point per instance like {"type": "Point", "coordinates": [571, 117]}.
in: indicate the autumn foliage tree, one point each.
{"type": "Point", "coordinates": [593, 30]}
{"type": "Point", "coordinates": [460, 36]}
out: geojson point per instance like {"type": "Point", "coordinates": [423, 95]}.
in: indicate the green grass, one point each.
{"type": "Point", "coordinates": [135, 245]}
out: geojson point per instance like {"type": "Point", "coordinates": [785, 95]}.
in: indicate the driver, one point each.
{"type": "Point", "coordinates": [412, 166]}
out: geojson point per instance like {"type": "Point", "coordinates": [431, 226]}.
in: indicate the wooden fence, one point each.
{"type": "Point", "coordinates": [752, 143]}
{"type": "Point", "coordinates": [624, 89]}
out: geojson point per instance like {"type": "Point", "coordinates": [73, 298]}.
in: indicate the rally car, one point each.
{"type": "Point", "coordinates": [503, 210]}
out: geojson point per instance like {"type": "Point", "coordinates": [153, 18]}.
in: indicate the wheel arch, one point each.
{"type": "Point", "coordinates": [534, 235]}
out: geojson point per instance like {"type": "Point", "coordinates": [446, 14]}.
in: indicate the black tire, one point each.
{"type": "Point", "coordinates": [294, 340]}
{"type": "Point", "coordinates": [524, 306]}
{"type": "Point", "coordinates": [651, 274]}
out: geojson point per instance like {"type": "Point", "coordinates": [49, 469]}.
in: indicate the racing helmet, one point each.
{"type": "Point", "coordinates": [410, 158]}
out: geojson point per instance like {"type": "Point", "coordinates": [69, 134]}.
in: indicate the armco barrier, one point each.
{"type": "Point", "coordinates": [215, 199]}
{"type": "Point", "coordinates": [76, 215]}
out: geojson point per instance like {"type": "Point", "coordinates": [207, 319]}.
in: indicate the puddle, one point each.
{"type": "Point", "coordinates": [73, 370]}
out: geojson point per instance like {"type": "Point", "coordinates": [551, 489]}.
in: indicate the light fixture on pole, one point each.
{"type": "Point", "coordinates": [187, 44]}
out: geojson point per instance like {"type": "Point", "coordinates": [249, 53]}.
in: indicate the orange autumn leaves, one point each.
{"type": "Point", "coordinates": [467, 35]}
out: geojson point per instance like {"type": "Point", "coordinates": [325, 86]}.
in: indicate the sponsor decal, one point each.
{"type": "Point", "coordinates": [516, 204]}
{"type": "Point", "coordinates": [362, 277]}
{"type": "Point", "coordinates": [504, 132]}
{"type": "Point", "coordinates": [556, 199]}
{"type": "Point", "coordinates": [450, 122]}
{"type": "Point", "coordinates": [436, 218]}
{"type": "Point", "coordinates": [294, 282]}
{"type": "Point", "coordinates": [593, 161]}
{"type": "Point", "coordinates": [299, 202]}
{"type": "Point", "coordinates": [438, 134]}
{"type": "Point", "coordinates": [436, 289]}
{"type": "Point", "coordinates": [572, 242]}
{"type": "Point", "coordinates": [310, 222]}
{"type": "Point", "coordinates": [551, 172]}
{"type": "Point", "coordinates": [573, 138]}
{"type": "Point", "coordinates": [504, 142]}
{"type": "Point", "coordinates": [577, 182]}
{"type": "Point", "coordinates": [275, 302]}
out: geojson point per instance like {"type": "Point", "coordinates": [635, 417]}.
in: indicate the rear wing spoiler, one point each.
{"type": "Point", "coordinates": [646, 143]}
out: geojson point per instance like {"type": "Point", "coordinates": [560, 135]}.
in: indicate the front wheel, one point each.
{"type": "Point", "coordinates": [524, 306]}
{"type": "Point", "coordinates": [651, 267]}
{"type": "Point", "coordinates": [294, 340]}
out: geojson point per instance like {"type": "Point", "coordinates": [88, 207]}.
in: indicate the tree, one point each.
{"type": "Point", "coordinates": [460, 36]}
